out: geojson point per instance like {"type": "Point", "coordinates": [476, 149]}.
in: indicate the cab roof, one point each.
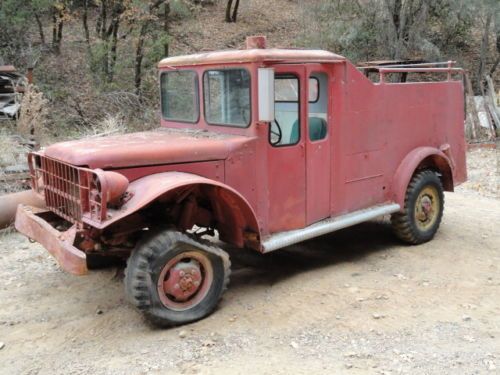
{"type": "Point", "coordinates": [272, 55]}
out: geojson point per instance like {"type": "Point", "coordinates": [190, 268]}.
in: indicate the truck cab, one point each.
{"type": "Point", "coordinates": [263, 147]}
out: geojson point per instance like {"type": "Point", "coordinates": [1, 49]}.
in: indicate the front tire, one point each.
{"type": "Point", "coordinates": [174, 279]}
{"type": "Point", "coordinates": [423, 209]}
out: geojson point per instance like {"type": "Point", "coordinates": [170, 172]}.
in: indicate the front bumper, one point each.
{"type": "Point", "coordinates": [30, 222]}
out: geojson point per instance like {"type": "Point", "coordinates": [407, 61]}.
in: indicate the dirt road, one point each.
{"type": "Point", "coordinates": [354, 302]}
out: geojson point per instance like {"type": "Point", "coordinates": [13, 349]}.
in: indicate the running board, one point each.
{"type": "Point", "coordinates": [283, 239]}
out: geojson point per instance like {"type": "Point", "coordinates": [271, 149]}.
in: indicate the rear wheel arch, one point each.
{"type": "Point", "coordinates": [441, 165]}
{"type": "Point", "coordinates": [417, 160]}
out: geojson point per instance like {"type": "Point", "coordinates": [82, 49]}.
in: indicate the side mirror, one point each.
{"type": "Point", "coordinates": [266, 94]}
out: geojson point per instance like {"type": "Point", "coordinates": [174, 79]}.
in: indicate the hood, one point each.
{"type": "Point", "coordinates": [161, 146]}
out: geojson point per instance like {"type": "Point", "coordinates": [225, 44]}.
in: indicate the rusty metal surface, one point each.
{"type": "Point", "coordinates": [256, 41]}
{"type": "Point", "coordinates": [209, 169]}
{"type": "Point", "coordinates": [7, 69]}
{"type": "Point", "coordinates": [145, 148]}
{"type": "Point", "coordinates": [59, 244]}
{"type": "Point", "coordinates": [117, 186]}
{"type": "Point", "coordinates": [376, 126]}
{"type": "Point", "coordinates": [380, 63]}
{"type": "Point", "coordinates": [252, 56]}
{"type": "Point", "coordinates": [286, 169]}
{"type": "Point", "coordinates": [9, 203]}
{"type": "Point", "coordinates": [147, 189]}
{"type": "Point", "coordinates": [74, 193]}
{"type": "Point", "coordinates": [12, 84]}
{"type": "Point", "coordinates": [372, 130]}
{"type": "Point", "coordinates": [185, 280]}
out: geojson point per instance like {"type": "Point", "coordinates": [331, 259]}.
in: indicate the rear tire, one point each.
{"type": "Point", "coordinates": [174, 279]}
{"type": "Point", "coordinates": [423, 209]}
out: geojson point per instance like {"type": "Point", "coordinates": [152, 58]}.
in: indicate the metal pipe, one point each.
{"type": "Point", "coordinates": [416, 65]}
{"type": "Point", "coordinates": [283, 239]}
{"type": "Point", "coordinates": [9, 203]}
{"type": "Point", "coordinates": [421, 70]}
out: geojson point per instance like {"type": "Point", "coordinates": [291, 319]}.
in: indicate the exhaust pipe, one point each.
{"type": "Point", "coordinates": [9, 203]}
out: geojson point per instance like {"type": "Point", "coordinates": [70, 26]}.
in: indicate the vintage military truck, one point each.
{"type": "Point", "coordinates": [264, 147]}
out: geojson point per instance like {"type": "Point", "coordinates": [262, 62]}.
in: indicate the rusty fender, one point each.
{"type": "Point", "coordinates": [232, 208]}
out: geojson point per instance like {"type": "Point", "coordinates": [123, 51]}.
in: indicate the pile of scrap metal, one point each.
{"type": "Point", "coordinates": [12, 87]}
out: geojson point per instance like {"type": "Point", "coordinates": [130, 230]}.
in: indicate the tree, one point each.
{"type": "Point", "coordinates": [232, 12]}
{"type": "Point", "coordinates": [166, 27]}
{"type": "Point", "coordinates": [16, 17]}
{"type": "Point", "coordinates": [488, 14]}
{"type": "Point", "coordinates": [60, 14]}
{"type": "Point", "coordinates": [405, 29]}
{"type": "Point", "coordinates": [145, 19]}
{"type": "Point", "coordinates": [104, 53]}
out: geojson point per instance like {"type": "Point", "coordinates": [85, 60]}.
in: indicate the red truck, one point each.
{"type": "Point", "coordinates": [263, 147]}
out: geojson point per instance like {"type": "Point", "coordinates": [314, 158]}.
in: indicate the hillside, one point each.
{"type": "Point", "coordinates": [83, 100]}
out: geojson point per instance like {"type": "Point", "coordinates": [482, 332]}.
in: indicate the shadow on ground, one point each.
{"type": "Point", "coordinates": [250, 268]}
{"type": "Point", "coordinates": [346, 245]}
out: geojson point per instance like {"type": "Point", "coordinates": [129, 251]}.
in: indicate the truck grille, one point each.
{"type": "Point", "coordinates": [72, 193]}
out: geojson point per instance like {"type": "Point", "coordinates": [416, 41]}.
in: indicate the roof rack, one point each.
{"type": "Point", "coordinates": [388, 67]}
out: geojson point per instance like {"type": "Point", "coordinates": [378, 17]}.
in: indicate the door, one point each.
{"type": "Point", "coordinates": [286, 151]}
{"type": "Point", "coordinates": [318, 146]}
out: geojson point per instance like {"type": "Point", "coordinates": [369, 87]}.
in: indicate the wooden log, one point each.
{"type": "Point", "coordinates": [490, 99]}
{"type": "Point", "coordinates": [492, 94]}
{"type": "Point", "coordinates": [9, 203]}
{"type": "Point", "coordinates": [471, 107]}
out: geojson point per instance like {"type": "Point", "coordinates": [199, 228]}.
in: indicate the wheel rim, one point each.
{"type": "Point", "coordinates": [427, 208]}
{"type": "Point", "coordinates": [185, 280]}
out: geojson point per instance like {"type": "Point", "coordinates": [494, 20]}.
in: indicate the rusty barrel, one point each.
{"type": "Point", "coordinates": [9, 203]}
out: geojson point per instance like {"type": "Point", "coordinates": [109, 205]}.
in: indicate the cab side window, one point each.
{"type": "Point", "coordinates": [285, 129]}
{"type": "Point", "coordinates": [317, 107]}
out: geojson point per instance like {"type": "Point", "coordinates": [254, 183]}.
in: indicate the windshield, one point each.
{"type": "Point", "coordinates": [179, 96]}
{"type": "Point", "coordinates": [227, 97]}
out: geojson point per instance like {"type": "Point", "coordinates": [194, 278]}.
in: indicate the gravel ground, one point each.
{"type": "Point", "coordinates": [483, 169]}
{"type": "Point", "coordinates": [353, 302]}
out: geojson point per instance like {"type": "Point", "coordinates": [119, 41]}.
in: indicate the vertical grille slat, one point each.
{"type": "Point", "coordinates": [67, 189]}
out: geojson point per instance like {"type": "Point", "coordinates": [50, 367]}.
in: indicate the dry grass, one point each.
{"type": "Point", "coordinates": [110, 125]}
{"type": "Point", "coordinates": [13, 152]}
{"type": "Point", "coordinates": [33, 116]}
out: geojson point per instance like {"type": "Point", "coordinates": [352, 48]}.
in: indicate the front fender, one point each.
{"type": "Point", "coordinates": [147, 189]}
{"type": "Point", "coordinates": [409, 165]}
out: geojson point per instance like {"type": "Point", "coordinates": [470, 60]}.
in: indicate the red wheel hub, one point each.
{"type": "Point", "coordinates": [183, 281]}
